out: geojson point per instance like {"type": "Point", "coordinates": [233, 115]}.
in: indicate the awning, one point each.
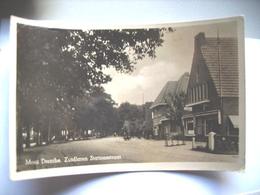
{"type": "Point", "coordinates": [234, 120]}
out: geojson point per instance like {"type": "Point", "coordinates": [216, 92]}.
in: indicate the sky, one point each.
{"type": "Point", "coordinates": [173, 59]}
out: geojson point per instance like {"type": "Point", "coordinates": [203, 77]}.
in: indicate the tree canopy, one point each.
{"type": "Point", "coordinates": [59, 72]}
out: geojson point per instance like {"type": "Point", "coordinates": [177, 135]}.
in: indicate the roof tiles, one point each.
{"type": "Point", "coordinates": [221, 57]}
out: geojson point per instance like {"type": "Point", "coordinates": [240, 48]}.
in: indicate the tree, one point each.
{"type": "Point", "coordinates": [148, 121]}
{"type": "Point", "coordinates": [97, 112]}
{"type": "Point", "coordinates": [57, 67]}
{"type": "Point", "coordinates": [131, 116]}
{"type": "Point", "coordinates": [129, 112]}
{"type": "Point", "coordinates": [176, 105]}
{"type": "Point", "coordinates": [37, 91]}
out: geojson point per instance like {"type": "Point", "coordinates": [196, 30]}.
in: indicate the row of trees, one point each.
{"type": "Point", "coordinates": [60, 76]}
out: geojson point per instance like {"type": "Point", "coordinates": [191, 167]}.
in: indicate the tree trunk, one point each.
{"type": "Point", "coordinates": [66, 134]}
{"type": "Point", "coordinates": [19, 144]}
{"type": "Point", "coordinates": [28, 137]}
{"type": "Point", "coordinates": [38, 137]}
{"type": "Point", "coordinates": [183, 134]}
{"type": "Point", "coordinates": [49, 131]}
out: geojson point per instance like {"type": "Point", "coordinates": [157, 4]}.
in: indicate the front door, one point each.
{"type": "Point", "coordinates": [212, 124]}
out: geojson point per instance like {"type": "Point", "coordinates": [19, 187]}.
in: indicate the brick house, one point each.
{"type": "Point", "coordinates": [213, 88]}
{"type": "Point", "coordinates": [162, 122]}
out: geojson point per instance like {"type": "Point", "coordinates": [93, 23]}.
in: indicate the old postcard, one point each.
{"type": "Point", "coordinates": [89, 99]}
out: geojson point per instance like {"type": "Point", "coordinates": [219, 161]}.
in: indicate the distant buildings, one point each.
{"type": "Point", "coordinates": [163, 122]}
{"type": "Point", "coordinates": [213, 88]}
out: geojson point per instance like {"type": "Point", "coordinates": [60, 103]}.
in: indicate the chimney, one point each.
{"type": "Point", "coordinates": [199, 40]}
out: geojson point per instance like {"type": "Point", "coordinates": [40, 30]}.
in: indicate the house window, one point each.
{"type": "Point", "coordinates": [196, 94]}
{"type": "Point", "coordinates": [206, 91]}
{"type": "Point", "coordinates": [193, 94]}
{"type": "Point", "coordinates": [188, 96]}
{"type": "Point", "coordinates": [199, 90]}
{"type": "Point", "coordinates": [189, 127]}
{"type": "Point", "coordinates": [203, 91]}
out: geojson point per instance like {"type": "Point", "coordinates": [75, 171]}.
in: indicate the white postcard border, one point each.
{"type": "Point", "coordinates": [122, 167]}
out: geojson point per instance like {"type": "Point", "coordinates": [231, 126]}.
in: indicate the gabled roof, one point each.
{"type": "Point", "coordinates": [221, 58]}
{"type": "Point", "coordinates": [182, 84]}
{"type": "Point", "coordinates": [170, 89]}
{"type": "Point", "coordinates": [167, 91]}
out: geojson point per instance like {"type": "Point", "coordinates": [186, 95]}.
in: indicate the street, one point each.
{"type": "Point", "coordinates": [113, 150]}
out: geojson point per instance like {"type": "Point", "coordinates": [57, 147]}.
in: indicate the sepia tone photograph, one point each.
{"type": "Point", "coordinates": [153, 94]}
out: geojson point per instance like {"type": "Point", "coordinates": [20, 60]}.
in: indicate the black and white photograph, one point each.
{"type": "Point", "coordinates": [165, 93]}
